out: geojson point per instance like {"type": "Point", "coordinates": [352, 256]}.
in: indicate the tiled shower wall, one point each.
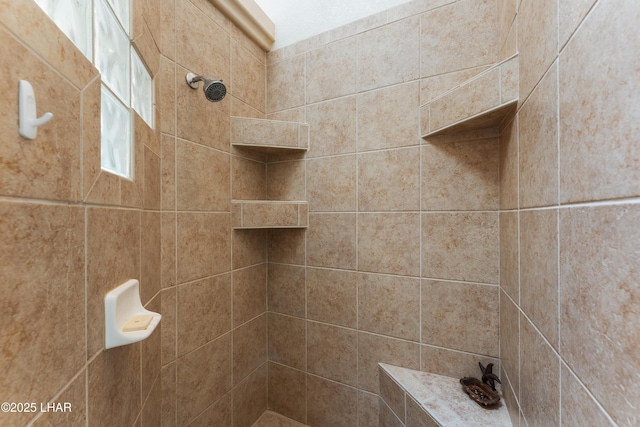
{"type": "Point", "coordinates": [71, 232]}
{"type": "Point", "coordinates": [569, 214]}
{"type": "Point", "coordinates": [400, 263]}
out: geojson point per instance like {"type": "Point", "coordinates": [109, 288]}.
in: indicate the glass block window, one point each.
{"type": "Point", "coordinates": [102, 33]}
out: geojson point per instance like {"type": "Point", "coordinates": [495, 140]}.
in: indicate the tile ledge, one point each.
{"type": "Point", "coordinates": [443, 399]}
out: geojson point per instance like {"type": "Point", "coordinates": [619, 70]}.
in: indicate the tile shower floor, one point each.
{"type": "Point", "coordinates": [271, 419]}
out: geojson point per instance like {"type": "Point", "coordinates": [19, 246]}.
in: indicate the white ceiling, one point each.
{"type": "Point", "coordinates": [297, 20]}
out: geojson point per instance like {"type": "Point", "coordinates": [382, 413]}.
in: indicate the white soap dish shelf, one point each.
{"type": "Point", "coordinates": [121, 305]}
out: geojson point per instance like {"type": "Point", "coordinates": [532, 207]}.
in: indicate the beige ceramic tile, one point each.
{"type": "Point", "coordinates": [375, 130]}
{"type": "Point", "coordinates": [203, 376]}
{"type": "Point", "coordinates": [151, 414]}
{"type": "Point", "coordinates": [150, 256]}
{"type": "Point", "coordinates": [332, 352]}
{"type": "Point", "coordinates": [389, 243]}
{"type": "Point", "coordinates": [74, 394]}
{"type": "Point", "coordinates": [113, 387]}
{"type": "Point", "coordinates": [570, 15]}
{"type": "Point", "coordinates": [417, 416]}
{"type": "Point", "coordinates": [389, 305]}
{"type": "Point", "coordinates": [331, 241]}
{"type": "Point", "coordinates": [382, 61]}
{"type": "Point", "coordinates": [169, 404]}
{"type": "Point", "coordinates": [166, 102]}
{"type": "Point", "coordinates": [218, 414]}
{"type": "Point", "coordinates": [286, 289]}
{"type": "Point", "coordinates": [470, 43]}
{"type": "Point", "coordinates": [389, 180]}
{"type": "Point", "coordinates": [249, 179]}
{"type": "Point", "coordinates": [248, 77]}
{"type": "Point", "coordinates": [537, 41]}
{"type": "Point", "coordinates": [461, 246]}
{"type": "Point", "coordinates": [203, 242]}
{"type": "Point", "coordinates": [461, 175]}
{"type": "Point", "coordinates": [332, 126]}
{"type": "Point", "coordinates": [286, 342]}
{"type": "Point", "coordinates": [288, 392]}
{"type": "Point", "coordinates": [368, 413]}
{"type": "Point", "coordinates": [285, 84]}
{"type": "Point", "coordinates": [150, 355]}
{"type": "Point", "coordinates": [250, 398]}
{"type": "Point", "coordinates": [43, 270]}
{"type": "Point", "coordinates": [509, 397]}
{"type": "Point", "coordinates": [538, 144]}
{"type": "Point", "coordinates": [509, 47]}
{"type": "Point", "coordinates": [195, 34]}
{"type": "Point", "coordinates": [286, 180]}
{"type": "Point", "coordinates": [453, 363]}
{"type": "Point", "coordinates": [461, 316]}
{"type": "Point", "coordinates": [168, 249]}
{"type": "Point", "coordinates": [330, 403]}
{"type": "Point", "coordinates": [198, 120]}
{"type": "Point", "coordinates": [249, 247]}
{"type": "Point", "coordinates": [249, 293]}
{"type": "Point", "coordinates": [203, 312]}
{"type": "Point", "coordinates": [287, 246]}
{"type": "Point", "coordinates": [374, 349]}
{"type": "Point", "coordinates": [168, 172]}
{"type": "Point", "coordinates": [506, 18]}
{"type": "Point", "coordinates": [30, 24]}
{"type": "Point", "coordinates": [331, 184]}
{"type": "Point", "coordinates": [476, 96]}
{"type": "Point", "coordinates": [539, 378]}
{"type": "Point", "coordinates": [90, 136]}
{"type": "Point", "coordinates": [268, 214]}
{"type": "Point", "coordinates": [434, 86]}
{"type": "Point", "coordinates": [598, 118]}
{"type": "Point", "coordinates": [169, 328]}
{"type": "Point", "coordinates": [167, 39]}
{"type": "Point", "coordinates": [49, 166]}
{"type": "Point", "coordinates": [264, 132]}
{"type": "Point", "coordinates": [510, 341]}
{"type": "Point", "coordinates": [197, 168]}
{"type": "Point", "coordinates": [332, 296]}
{"type": "Point", "coordinates": [392, 394]}
{"type": "Point", "coordinates": [331, 71]}
{"type": "Point", "coordinates": [509, 165]}
{"type": "Point", "coordinates": [509, 255]}
{"type": "Point", "coordinates": [113, 257]}
{"type": "Point", "coordinates": [249, 347]}
{"type": "Point", "coordinates": [599, 277]}
{"type": "Point", "coordinates": [387, 417]}
{"type": "Point", "coordinates": [578, 407]}
{"type": "Point", "coordinates": [539, 270]}
{"type": "Point", "coordinates": [509, 80]}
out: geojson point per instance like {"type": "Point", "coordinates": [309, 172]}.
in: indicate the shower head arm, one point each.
{"type": "Point", "coordinates": [192, 80]}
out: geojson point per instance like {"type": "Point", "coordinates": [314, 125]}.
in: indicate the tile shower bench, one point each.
{"type": "Point", "coordinates": [411, 398]}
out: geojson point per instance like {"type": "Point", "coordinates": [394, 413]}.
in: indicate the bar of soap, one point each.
{"type": "Point", "coordinates": [137, 323]}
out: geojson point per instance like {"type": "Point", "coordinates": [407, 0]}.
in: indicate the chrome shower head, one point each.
{"type": "Point", "coordinates": [214, 90]}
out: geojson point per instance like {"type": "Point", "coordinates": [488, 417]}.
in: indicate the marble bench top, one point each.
{"type": "Point", "coordinates": [445, 400]}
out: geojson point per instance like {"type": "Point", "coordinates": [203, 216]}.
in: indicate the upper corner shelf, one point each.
{"type": "Point", "coordinates": [269, 136]}
{"type": "Point", "coordinates": [479, 103]}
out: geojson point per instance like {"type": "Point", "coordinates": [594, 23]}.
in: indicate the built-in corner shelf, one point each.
{"type": "Point", "coordinates": [248, 214]}
{"type": "Point", "coordinates": [269, 136]}
{"type": "Point", "coordinates": [479, 103]}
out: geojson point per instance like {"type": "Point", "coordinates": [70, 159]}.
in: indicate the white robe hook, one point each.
{"type": "Point", "coordinates": [27, 107]}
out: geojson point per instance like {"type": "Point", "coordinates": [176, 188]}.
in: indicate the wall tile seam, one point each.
{"type": "Point", "coordinates": [219, 337]}
{"type": "Point", "coordinates": [522, 102]}
{"type": "Point", "coordinates": [623, 201]}
{"type": "Point", "coordinates": [455, 350]}
{"type": "Point", "coordinates": [240, 325]}
{"type": "Point", "coordinates": [282, 55]}
{"type": "Point", "coordinates": [48, 64]}
{"type": "Point", "coordinates": [193, 281]}
{"type": "Point", "coordinates": [573, 34]}
{"type": "Point", "coordinates": [564, 365]}
{"type": "Point", "coordinates": [201, 145]}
